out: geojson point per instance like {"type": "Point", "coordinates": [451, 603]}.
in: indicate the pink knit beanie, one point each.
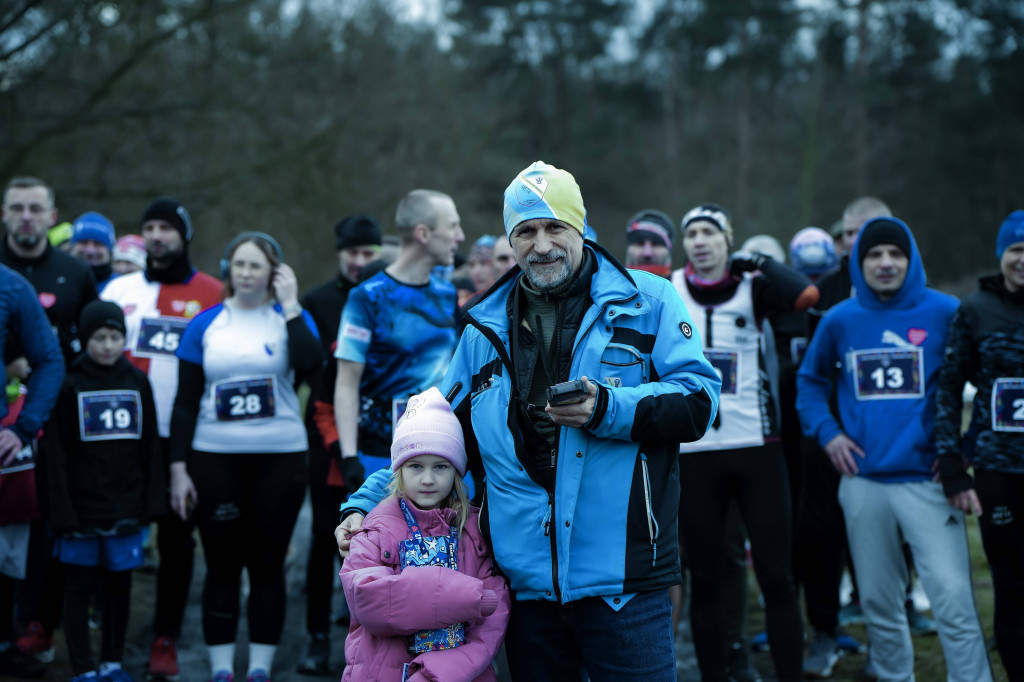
{"type": "Point", "coordinates": [429, 427]}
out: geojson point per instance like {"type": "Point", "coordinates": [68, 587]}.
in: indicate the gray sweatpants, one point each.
{"type": "Point", "coordinates": [879, 516]}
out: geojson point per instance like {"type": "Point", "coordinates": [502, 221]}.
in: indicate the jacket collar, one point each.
{"type": "Point", "coordinates": [9, 253]}
{"type": "Point", "coordinates": [994, 284]}
{"type": "Point", "coordinates": [611, 285]}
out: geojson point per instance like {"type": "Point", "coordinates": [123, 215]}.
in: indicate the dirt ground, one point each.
{"type": "Point", "coordinates": [929, 666]}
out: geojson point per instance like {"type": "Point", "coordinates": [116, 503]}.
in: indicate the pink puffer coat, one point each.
{"type": "Point", "coordinates": [388, 604]}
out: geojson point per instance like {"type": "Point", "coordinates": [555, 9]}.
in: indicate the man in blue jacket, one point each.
{"type": "Point", "coordinates": [888, 341]}
{"type": "Point", "coordinates": [581, 500]}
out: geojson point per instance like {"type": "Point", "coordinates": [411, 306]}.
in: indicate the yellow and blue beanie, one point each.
{"type": "Point", "coordinates": [543, 191]}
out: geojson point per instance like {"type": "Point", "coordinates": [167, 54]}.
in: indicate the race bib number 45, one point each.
{"type": "Point", "coordinates": [1008, 404]}
{"type": "Point", "coordinates": [889, 373]}
{"type": "Point", "coordinates": [244, 399]}
{"type": "Point", "coordinates": [159, 336]}
{"type": "Point", "coordinates": [109, 415]}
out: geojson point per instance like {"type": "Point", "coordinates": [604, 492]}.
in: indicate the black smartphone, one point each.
{"type": "Point", "coordinates": [568, 392]}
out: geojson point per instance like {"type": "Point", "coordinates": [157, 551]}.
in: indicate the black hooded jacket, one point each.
{"type": "Point", "coordinates": [100, 484]}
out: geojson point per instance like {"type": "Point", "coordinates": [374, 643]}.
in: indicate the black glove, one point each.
{"type": "Point", "coordinates": [353, 472]}
{"type": "Point", "coordinates": [953, 473]}
{"type": "Point", "coordinates": [334, 450]}
{"type": "Point", "coordinates": [746, 261]}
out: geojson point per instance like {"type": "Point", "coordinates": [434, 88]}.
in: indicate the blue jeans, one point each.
{"type": "Point", "coordinates": [558, 642]}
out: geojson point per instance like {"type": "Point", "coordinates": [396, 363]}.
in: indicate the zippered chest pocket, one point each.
{"type": "Point", "coordinates": [623, 365]}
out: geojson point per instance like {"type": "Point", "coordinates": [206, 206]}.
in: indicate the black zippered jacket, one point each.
{"type": "Point", "coordinates": [99, 484]}
{"type": "Point", "coordinates": [986, 342]}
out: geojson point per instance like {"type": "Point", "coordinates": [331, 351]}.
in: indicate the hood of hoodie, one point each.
{"type": "Point", "coordinates": [913, 286]}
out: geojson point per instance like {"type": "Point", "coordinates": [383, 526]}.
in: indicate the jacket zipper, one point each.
{"type": "Point", "coordinates": [652, 523]}
{"type": "Point", "coordinates": [554, 465]}
{"type": "Point", "coordinates": [500, 349]}
{"type": "Point", "coordinates": [553, 536]}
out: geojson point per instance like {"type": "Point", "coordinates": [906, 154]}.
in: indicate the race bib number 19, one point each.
{"type": "Point", "coordinates": [109, 415]}
{"type": "Point", "coordinates": [1008, 404]}
{"type": "Point", "coordinates": [244, 399]}
{"type": "Point", "coordinates": [883, 374]}
{"type": "Point", "coordinates": [159, 336]}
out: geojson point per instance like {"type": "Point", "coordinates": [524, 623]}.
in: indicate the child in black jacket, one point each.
{"type": "Point", "coordinates": [106, 483]}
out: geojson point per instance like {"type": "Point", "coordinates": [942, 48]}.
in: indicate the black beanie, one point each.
{"type": "Point", "coordinates": [172, 212]}
{"type": "Point", "coordinates": [882, 231]}
{"type": "Point", "coordinates": [357, 230]}
{"type": "Point", "coordinates": [100, 314]}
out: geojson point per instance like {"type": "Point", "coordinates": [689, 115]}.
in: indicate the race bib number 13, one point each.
{"type": "Point", "coordinates": [109, 415]}
{"type": "Point", "coordinates": [883, 374]}
{"type": "Point", "coordinates": [244, 399]}
{"type": "Point", "coordinates": [1008, 404]}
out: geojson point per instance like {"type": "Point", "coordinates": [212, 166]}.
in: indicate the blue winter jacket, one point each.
{"type": "Point", "coordinates": [890, 354]}
{"type": "Point", "coordinates": [609, 525]}
{"type": "Point", "coordinates": [23, 319]}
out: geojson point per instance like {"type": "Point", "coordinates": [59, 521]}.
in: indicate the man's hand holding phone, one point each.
{"type": "Point", "coordinates": [572, 403]}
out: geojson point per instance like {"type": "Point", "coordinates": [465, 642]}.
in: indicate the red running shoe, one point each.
{"type": "Point", "coordinates": [163, 659]}
{"type": "Point", "coordinates": [37, 642]}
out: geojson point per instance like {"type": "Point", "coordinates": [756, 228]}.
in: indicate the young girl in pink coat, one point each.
{"type": "Point", "coordinates": [425, 601]}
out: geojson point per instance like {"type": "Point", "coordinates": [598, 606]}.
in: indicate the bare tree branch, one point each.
{"type": "Point", "coordinates": [57, 20]}
{"type": "Point", "coordinates": [106, 85]}
{"type": "Point", "coordinates": [18, 14]}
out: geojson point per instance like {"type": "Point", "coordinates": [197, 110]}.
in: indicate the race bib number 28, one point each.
{"type": "Point", "coordinates": [1008, 404]}
{"type": "Point", "coordinates": [109, 415]}
{"type": "Point", "coordinates": [244, 399]}
{"type": "Point", "coordinates": [889, 373]}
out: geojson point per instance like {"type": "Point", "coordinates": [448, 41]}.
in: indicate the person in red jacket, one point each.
{"type": "Point", "coordinates": [419, 579]}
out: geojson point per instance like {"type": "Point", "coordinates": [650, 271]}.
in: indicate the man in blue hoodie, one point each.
{"type": "Point", "coordinates": [888, 341]}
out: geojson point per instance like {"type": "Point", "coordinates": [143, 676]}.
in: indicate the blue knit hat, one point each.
{"type": "Point", "coordinates": [1011, 232]}
{"type": "Point", "coordinates": [94, 226]}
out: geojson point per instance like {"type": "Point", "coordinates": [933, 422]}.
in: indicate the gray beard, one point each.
{"type": "Point", "coordinates": [561, 279]}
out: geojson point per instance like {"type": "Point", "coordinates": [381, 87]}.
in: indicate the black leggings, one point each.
{"type": "Point", "coordinates": [820, 544]}
{"type": "Point", "coordinates": [756, 478]}
{"type": "Point", "coordinates": [246, 511]}
{"type": "Point", "coordinates": [321, 568]}
{"type": "Point", "coordinates": [177, 550]}
{"type": "Point", "coordinates": [79, 586]}
{"type": "Point", "coordinates": [1002, 534]}
{"type": "Point", "coordinates": [41, 594]}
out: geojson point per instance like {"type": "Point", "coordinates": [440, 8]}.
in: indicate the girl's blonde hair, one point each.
{"type": "Point", "coordinates": [458, 498]}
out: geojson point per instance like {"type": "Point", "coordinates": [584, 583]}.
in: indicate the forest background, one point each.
{"type": "Point", "coordinates": [286, 116]}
